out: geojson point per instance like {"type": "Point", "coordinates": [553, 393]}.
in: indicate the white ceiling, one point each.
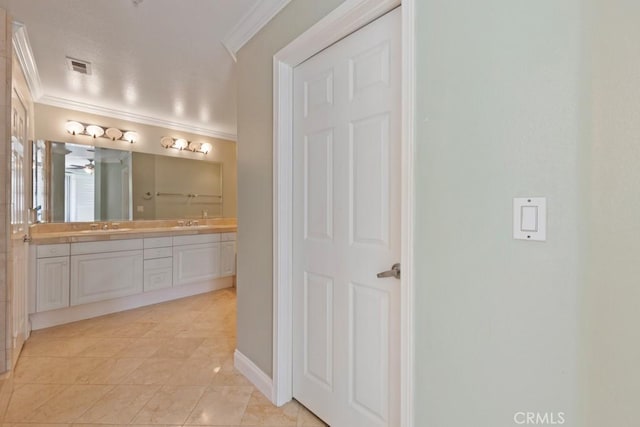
{"type": "Point", "coordinates": [161, 59]}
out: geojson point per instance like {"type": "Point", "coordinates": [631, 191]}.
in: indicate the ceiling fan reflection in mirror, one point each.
{"type": "Point", "coordinates": [88, 168]}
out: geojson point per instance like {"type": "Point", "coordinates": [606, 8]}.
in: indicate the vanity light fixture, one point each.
{"type": "Point", "coordinates": [95, 131]}
{"type": "Point", "coordinates": [183, 144]}
{"type": "Point", "coordinates": [180, 144]}
{"type": "Point", "coordinates": [113, 133]}
{"type": "Point", "coordinates": [206, 148]}
{"type": "Point", "coordinates": [130, 136]}
{"type": "Point", "coordinates": [74, 128]}
{"type": "Point", "coordinates": [166, 142]}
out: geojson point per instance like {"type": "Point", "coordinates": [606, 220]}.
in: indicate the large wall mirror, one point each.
{"type": "Point", "coordinates": [79, 183]}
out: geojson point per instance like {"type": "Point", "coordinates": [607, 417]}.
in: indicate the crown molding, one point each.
{"type": "Point", "coordinates": [133, 117]}
{"type": "Point", "coordinates": [252, 22]}
{"type": "Point", "coordinates": [27, 61]}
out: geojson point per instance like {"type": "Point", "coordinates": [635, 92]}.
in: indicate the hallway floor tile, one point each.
{"type": "Point", "coordinates": [169, 364]}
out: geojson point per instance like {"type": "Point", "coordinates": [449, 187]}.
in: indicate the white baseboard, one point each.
{"type": "Point", "coordinates": [254, 374]}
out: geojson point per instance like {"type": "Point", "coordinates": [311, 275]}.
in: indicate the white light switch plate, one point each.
{"type": "Point", "coordinates": [530, 218]}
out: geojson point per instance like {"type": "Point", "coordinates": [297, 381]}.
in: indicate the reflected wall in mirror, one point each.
{"type": "Point", "coordinates": [79, 183]}
{"type": "Point", "coordinates": [170, 187]}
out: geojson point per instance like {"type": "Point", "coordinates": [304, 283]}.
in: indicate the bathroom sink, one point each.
{"type": "Point", "coordinates": [109, 230]}
{"type": "Point", "coordinates": [189, 227]}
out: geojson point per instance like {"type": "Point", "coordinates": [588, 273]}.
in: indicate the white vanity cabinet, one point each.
{"type": "Point", "coordinates": [52, 277]}
{"type": "Point", "coordinates": [196, 258]}
{"type": "Point", "coordinates": [105, 270]}
{"type": "Point", "coordinates": [79, 280]}
{"type": "Point", "coordinates": [158, 263]}
{"type": "Point", "coordinates": [228, 254]}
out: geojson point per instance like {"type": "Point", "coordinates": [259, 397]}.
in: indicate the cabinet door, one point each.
{"type": "Point", "coordinates": [102, 276]}
{"type": "Point", "coordinates": [52, 283]}
{"type": "Point", "coordinates": [196, 263]}
{"type": "Point", "coordinates": [227, 259]}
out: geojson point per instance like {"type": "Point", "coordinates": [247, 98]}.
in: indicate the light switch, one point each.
{"type": "Point", "coordinates": [140, 208]}
{"type": "Point", "coordinates": [530, 218]}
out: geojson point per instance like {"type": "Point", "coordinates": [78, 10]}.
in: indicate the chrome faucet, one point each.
{"type": "Point", "coordinates": [189, 223]}
{"type": "Point", "coordinates": [105, 226]}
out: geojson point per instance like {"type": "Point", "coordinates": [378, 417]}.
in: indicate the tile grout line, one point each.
{"type": "Point", "coordinates": [67, 386]}
{"type": "Point", "coordinates": [90, 406]}
{"type": "Point", "coordinates": [145, 404]}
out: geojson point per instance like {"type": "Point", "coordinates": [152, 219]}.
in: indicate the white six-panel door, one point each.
{"type": "Point", "coordinates": [347, 228]}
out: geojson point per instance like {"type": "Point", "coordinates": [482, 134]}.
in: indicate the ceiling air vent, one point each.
{"type": "Point", "coordinates": [77, 65]}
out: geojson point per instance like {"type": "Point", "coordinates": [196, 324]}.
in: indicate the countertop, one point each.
{"type": "Point", "coordinates": [81, 232]}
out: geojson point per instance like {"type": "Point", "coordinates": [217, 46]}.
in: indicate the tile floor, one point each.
{"type": "Point", "coordinates": [167, 364]}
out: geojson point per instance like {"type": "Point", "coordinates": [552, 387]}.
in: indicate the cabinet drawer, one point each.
{"type": "Point", "coordinates": [158, 263]}
{"type": "Point", "coordinates": [157, 278]}
{"type": "Point", "coordinates": [196, 239]}
{"type": "Point", "coordinates": [157, 253]}
{"type": "Point", "coordinates": [157, 242]}
{"type": "Point", "coordinates": [228, 237]}
{"type": "Point", "coordinates": [106, 246]}
{"type": "Point", "coordinates": [47, 251]}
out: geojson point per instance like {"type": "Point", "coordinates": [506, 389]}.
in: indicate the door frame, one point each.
{"type": "Point", "coordinates": [344, 20]}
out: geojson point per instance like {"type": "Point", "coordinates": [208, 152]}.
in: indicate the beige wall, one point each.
{"type": "Point", "coordinates": [612, 312]}
{"type": "Point", "coordinates": [50, 126]}
{"type": "Point", "coordinates": [500, 114]}
{"type": "Point", "coordinates": [255, 219]}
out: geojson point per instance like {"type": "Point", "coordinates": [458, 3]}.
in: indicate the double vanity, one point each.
{"type": "Point", "coordinates": [82, 270]}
